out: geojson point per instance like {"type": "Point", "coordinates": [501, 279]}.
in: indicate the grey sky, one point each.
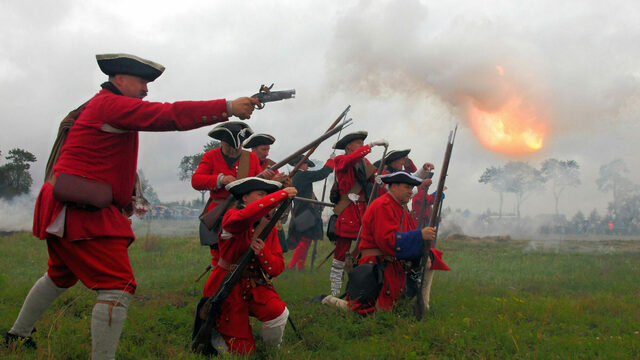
{"type": "Point", "coordinates": [406, 68]}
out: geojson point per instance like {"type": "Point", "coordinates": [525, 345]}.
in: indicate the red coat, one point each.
{"type": "Point", "coordinates": [206, 175]}
{"type": "Point", "coordinates": [235, 238]}
{"type": "Point", "coordinates": [417, 211]}
{"type": "Point", "coordinates": [110, 157]}
{"type": "Point", "coordinates": [384, 223]}
{"type": "Point", "coordinates": [348, 222]}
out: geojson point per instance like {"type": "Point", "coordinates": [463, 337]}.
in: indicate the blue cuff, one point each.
{"type": "Point", "coordinates": [435, 192]}
{"type": "Point", "coordinates": [409, 244]}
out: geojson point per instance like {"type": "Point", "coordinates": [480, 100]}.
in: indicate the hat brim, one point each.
{"type": "Point", "coordinates": [258, 140]}
{"type": "Point", "coordinates": [401, 177]}
{"type": "Point", "coordinates": [231, 132]}
{"type": "Point", "coordinates": [395, 155]}
{"type": "Point", "coordinates": [244, 186]}
{"type": "Point", "coordinates": [342, 143]}
{"type": "Point", "coordinates": [114, 64]}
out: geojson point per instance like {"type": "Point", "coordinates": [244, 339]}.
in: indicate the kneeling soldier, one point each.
{"type": "Point", "coordinates": [389, 238]}
{"type": "Point", "coordinates": [253, 294]}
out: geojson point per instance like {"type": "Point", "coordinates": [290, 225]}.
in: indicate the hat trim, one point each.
{"type": "Point", "coordinates": [153, 64]}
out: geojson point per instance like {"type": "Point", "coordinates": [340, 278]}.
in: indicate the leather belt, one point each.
{"type": "Point", "coordinates": [52, 180]}
{"type": "Point", "coordinates": [376, 252]}
{"type": "Point", "coordinates": [226, 265]}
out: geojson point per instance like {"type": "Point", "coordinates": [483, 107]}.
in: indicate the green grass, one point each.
{"type": "Point", "coordinates": [501, 300]}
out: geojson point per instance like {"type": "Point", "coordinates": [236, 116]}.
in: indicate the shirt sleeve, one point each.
{"type": "Point", "coordinates": [349, 160]}
{"type": "Point", "coordinates": [126, 113]}
{"type": "Point", "coordinates": [271, 258]}
{"type": "Point", "coordinates": [237, 222]}
{"type": "Point", "coordinates": [205, 177]}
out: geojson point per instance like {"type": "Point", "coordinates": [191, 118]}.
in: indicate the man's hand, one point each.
{"type": "Point", "coordinates": [332, 156]}
{"type": "Point", "coordinates": [428, 167]}
{"type": "Point", "coordinates": [280, 177]}
{"type": "Point", "coordinates": [257, 245]}
{"type": "Point", "coordinates": [291, 191]}
{"type": "Point", "coordinates": [227, 179]}
{"type": "Point", "coordinates": [267, 174]}
{"type": "Point", "coordinates": [428, 233]}
{"type": "Point", "coordinates": [426, 183]}
{"type": "Point", "coordinates": [381, 142]}
{"type": "Point", "coordinates": [242, 107]}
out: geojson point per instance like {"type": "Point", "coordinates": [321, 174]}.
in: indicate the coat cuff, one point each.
{"type": "Point", "coordinates": [408, 244]}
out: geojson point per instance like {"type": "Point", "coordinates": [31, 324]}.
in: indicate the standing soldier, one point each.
{"type": "Point", "coordinates": [253, 295]}
{"type": "Point", "coordinates": [354, 175]}
{"type": "Point", "coordinates": [389, 238]}
{"type": "Point", "coordinates": [83, 206]}
{"type": "Point", "coordinates": [306, 224]}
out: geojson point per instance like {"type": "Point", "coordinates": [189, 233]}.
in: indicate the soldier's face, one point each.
{"type": "Point", "coordinates": [402, 192]}
{"type": "Point", "coordinates": [229, 150]}
{"type": "Point", "coordinates": [131, 86]}
{"type": "Point", "coordinates": [397, 164]}
{"type": "Point", "coordinates": [262, 151]}
{"type": "Point", "coordinates": [253, 196]}
{"type": "Point", "coordinates": [354, 145]}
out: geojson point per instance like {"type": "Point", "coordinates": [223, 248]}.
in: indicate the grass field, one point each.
{"type": "Point", "coordinates": [503, 300]}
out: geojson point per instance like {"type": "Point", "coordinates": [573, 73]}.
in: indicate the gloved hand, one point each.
{"type": "Point", "coordinates": [381, 142]}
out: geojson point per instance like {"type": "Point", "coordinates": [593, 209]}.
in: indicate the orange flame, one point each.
{"type": "Point", "coordinates": [512, 129]}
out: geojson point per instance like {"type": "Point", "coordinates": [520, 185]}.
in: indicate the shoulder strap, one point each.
{"type": "Point", "coordinates": [243, 165]}
{"type": "Point", "coordinates": [65, 125]}
{"type": "Point", "coordinates": [356, 189]}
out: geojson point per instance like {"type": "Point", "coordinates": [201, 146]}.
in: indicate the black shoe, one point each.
{"type": "Point", "coordinates": [10, 338]}
{"type": "Point", "coordinates": [317, 299]}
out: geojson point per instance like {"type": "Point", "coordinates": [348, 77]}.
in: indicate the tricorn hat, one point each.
{"type": "Point", "coordinates": [401, 177]}
{"type": "Point", "coordinates": [394, 155]}
{"type": "Point", "coordinates": [113, 64]}
{"type": "Point", "coordinates": [257, 140]}
{"type": "Point", "coordinates": [244, 186]}
{"type": "Point", "coordinates": [342, 143]}
{"type": "Point", "coordinates": [298, 158]}
{"type": "Point", "coordinates": [232, 132]}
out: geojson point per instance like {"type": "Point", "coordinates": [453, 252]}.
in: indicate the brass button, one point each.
{"type": "Point", "coordinates": [204, 119]}
{"type": "Point", "coordinates": [269, 268]}
{"type": "Point", "coordinates": [214, 118]}
{"type": "Point", "coordinates": [398, 249]}
{"type": "Point", "coordinates": [272, 199]}
{"type": "Point", "coordinates": [224, 114]}
{"type": "Point", "coordinates": [260, 205]}
{"type": "Point", "coordinates": [266, 262]}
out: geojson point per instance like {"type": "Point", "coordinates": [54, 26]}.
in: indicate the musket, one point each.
{"type": "Point", "coordinates": [213, 218]}
{"type": "Point", "coordinates": [422, 299]}
{"type": "Point", "coordinates": [265, 95]}
{"type": "Point", "coordinates": [314, 202]}
{"type": "Point", "coordinates": [352, 256]}
{"type": "Point", "coordinates": [333, 125]}
{"type": "Point", "coordinates": [314, 253]}
{"type": "Point", "coordinates": [344, 113]}
{"type": "Point", "coordinates": [201, 342]}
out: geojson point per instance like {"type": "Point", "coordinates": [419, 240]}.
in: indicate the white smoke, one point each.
{"type": "Point", "coordinates": [17, 214]}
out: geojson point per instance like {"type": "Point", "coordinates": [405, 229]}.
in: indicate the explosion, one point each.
{"type": "Point", "coordinates": [512, 129]}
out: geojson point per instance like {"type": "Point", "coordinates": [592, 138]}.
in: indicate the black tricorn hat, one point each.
{"type": "Point", "coordinates": [342, 143]}
{"type": "Point", "coordinates": [244, 186]}
{"type": "Point", "coordinates": [113, 64]}
{"type": "Point", "coordinates": [231, 132]}
{"type": "Point", "coordinates": [298, 158]}
{"type": "Point", "coordinates": [401, 177]}
{"type": "Point", "coordinates": [257, 140]}
{"type": "Point", "coordinates": [394, 155]}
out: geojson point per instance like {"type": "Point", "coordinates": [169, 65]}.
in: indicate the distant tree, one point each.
{"type": "Point", "coordinates": [613, 178]}
{"type": "Point", "coordinates": [147, 189]}
{"type": "Point", "coordinates": [560, 174]}
{"type": "Point", "coordinates": [494, 176]}
{"type": "Point", "coordinates": [189, 163]}
{"type": "Point", "coordinates": [15, 178]}
{"type": "Point", "coordinates": [521, 179]}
